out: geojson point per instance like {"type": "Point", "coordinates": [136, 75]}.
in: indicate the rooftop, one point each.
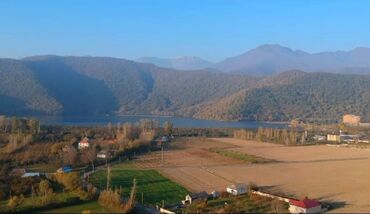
{"type": "Point", "coordinates": [305, 203]}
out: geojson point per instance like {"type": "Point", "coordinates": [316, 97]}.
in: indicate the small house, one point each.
{"type": "Point", "coordinates": [165, 139]}
{"type": "Point", "coordinates": [237, 189]}
{"type": "Point", "coordinates": [103, 154]}
{"type": "Point", "coordinates": [190, 198]}
{"type": "Point", "coordinates": [64, 169]}
{"type": "Point", "coordinates": [18, 172]}
{"type": "Point", "coordinates": [30, 174]}
{"type": "Point", "coordinates": [333, 138]}
{"type": "Point", "coordinates": [304, 206]}
{"type": "Point", "coordinates": [351, 120]}
{"type": "Point", "coordinates": [84, 143]}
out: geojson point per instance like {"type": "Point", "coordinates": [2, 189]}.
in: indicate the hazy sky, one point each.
{"type": "Point", "coordinates": [212, 29]}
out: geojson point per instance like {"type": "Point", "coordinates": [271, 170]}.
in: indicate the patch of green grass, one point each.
{"type": "Point", "coordinates": [124, 165]}
{"type": "Point", "coordinates": [30, 203]}
{"type": "Point", "coordinates": [42, 167]}
{"type": "Point", "coordinates": [241, 156]}
{"type": "Point", "coordinates": [92, 206]}
{"type": "Point", "coordinates": [151, 183]}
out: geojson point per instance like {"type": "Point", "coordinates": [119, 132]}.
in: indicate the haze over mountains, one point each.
{"type": "Point", "coordinates": [101, 85]}
{"type": "Point", "coordinates": [180, 63]}
{"type": "Point", "coordinates": [273, 59]}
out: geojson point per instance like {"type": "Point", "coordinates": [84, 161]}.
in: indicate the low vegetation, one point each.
{"type": "Point", "coordinates": [241, 156]}
{"type": "Point", "coordinates": [237, 204]}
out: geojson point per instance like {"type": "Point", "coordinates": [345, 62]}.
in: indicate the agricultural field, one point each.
{"type": "Point", "coordinates": [152, 187]}
{"type": "Point", "coordinates": [331, 174]}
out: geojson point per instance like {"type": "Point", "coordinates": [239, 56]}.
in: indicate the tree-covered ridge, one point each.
{"type": "Point", "coordinates": [20, 90]}
{"type": "Point", "coordinates": [314, 96]}
{"type": "Point", "coordinates": [100, 85]}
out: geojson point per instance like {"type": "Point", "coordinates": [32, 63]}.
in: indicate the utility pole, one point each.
{"type": "Point", "coordinates": [142, 197]}
{"type": "Point", "coordinates": [162, 153]}
{"type": "Point", "coordinates": [108, 177]}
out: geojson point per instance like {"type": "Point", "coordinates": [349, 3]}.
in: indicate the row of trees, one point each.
{"type": "Point", "coordinates": [16, 125]}
{"type": "Point", "coordinates": [282, 136]}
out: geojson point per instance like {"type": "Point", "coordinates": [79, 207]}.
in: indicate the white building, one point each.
{"type": "Point", "coordinates": [237, 189]}
{"type": "Point", "coordinates": [103, 155]}
{"type": "Point", "coordinates": [304, 206]}
{"type": "Point", "coordinates": [333, 138]}
{"type": "Point", "coordinates": [84, 143]}
{"type": "Point", "coordinates": [30, 174]}
{"type": "Point", "coordinates": [190, 198]}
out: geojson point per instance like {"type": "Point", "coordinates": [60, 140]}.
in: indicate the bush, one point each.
{"type": "Point", "coordinates": [15, 201]}
{"type": "Point", "coordinates": [111, 200]}
{"type": "Point", "coordinates": [71, 181]}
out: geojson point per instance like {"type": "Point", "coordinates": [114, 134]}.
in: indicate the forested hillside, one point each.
{"type": "Point", "coordinates": [100, 85]}
{"type": "Point", "coordinates": [312, 96]}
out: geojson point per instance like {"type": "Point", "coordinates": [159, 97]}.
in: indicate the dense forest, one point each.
{"type": "Point", "coordinates": [310, 96]}
{"type": "Point", "coordinates": [100, 86]}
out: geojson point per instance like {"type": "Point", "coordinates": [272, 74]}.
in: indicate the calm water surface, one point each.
{"type": "Point", "coordinates": [177, 122]}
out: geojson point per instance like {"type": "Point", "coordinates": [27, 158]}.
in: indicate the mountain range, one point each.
{"type": "Point", "coordinates": [273, 59]}
{"type": "Point", "coordinates": [57, 85]}
{"type": "Point", "coordinates": [180, 63]}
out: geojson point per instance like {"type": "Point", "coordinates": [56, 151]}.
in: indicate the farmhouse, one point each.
{"type": "Point", "coordinates": [333, 138]}
{"type": "Point", "coordinates": [190, 198]}
{"type": "Point", "coordinates": [237, 189]}
{"type": "Point", "coordinates": [84, 143]}
{"type": "Point", "coordinates": [304, 206]}
{"type": "Point", "coordinates": [351, 120]}
{"type": "Point", "coordinates": [103, 154]}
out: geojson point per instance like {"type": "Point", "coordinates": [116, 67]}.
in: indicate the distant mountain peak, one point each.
{"type": "Point", "coordinates": [180, 62]}
{"type": "Point", "coordinates": [273, 58]}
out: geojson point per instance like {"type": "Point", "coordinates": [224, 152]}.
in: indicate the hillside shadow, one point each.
{"type": "Point", "coordinates": [78, 93]}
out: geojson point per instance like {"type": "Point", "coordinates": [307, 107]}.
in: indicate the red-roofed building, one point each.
{"type": "Point", "coordinates": [84, 143]}
{"type": "Point", "coordinates": [304, 206]}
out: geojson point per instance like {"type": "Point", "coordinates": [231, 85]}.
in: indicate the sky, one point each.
{"type": "Point", "coordinates": [211, 29]}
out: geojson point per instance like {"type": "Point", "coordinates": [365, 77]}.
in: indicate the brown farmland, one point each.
{"type": "Point", "coordinates": [332, 174]}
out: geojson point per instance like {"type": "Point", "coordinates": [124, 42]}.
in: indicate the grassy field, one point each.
{"type": "Point", "coordinates": [32, 203]}
{"type": "Point", "coordinates": [241, 156]}
{"type": "Point", "coordinates": [92, 206]}
{"type": "Point", "coordinates": [151, 183]}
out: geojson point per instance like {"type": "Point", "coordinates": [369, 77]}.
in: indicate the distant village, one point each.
{"type": "Point", "coordinates": [304, 205]}
{"type": "Point", "coordinates": [349, 120]}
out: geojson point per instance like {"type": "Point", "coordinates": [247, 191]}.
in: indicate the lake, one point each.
{"type": "Point", "coordinates": [178, 122]}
